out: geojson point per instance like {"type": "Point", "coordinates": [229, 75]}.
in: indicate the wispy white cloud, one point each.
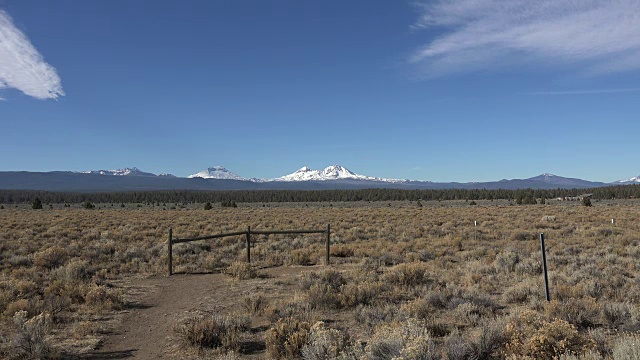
{"type": "Point", "coordinates": [21, 65]}
{"type": "Point", "coordinates": [601, 36]}
{"type": "Point", "coordinates": [585, 92]}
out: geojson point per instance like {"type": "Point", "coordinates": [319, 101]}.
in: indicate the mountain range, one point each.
{"type": "Point", "coordinates": [219, 178]}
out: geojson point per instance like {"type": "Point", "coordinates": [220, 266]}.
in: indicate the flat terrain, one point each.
{"type": "Point", "coordinates": [94, 282]}
{"type": "Point", "coordinates": [159, 303]}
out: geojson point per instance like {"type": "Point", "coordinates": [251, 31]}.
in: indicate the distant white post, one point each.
{"type": "Point", "coordinates": [475, 231]}
{"type": "Point", "coordinates": [612, 230]}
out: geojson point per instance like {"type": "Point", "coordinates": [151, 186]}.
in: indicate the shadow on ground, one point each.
{"type": "Point", "coordinates": [104, 355]}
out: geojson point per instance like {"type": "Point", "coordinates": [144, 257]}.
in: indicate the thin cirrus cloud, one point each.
{"type": "Point", "coordinates": [21, 65]}
{"type": "Point", "coordinates": [594, 37]}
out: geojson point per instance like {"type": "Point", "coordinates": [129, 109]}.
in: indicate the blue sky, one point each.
{"type": "Point", "coordinates": [459, 90]}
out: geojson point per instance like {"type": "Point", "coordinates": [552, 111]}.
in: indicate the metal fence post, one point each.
{"type": "Point", "coordinates": [544, 268]}
{"type": "Point", "coordinates": [249, 244]}
{"type": "Point", "coordinates": [328, 243]}
{"type": "Point", "coordinates": [170, 252]}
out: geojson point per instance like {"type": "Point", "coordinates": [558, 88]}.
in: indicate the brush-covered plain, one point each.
{"type": "Point", "coordinates": [405, 281]}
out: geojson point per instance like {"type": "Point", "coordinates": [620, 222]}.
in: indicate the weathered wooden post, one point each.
{"type": "Point", "coordinates": [249, 244]}
{"type": "Point", "coordinates": [544, 268]}
{"type": "Point", "coordinates": [328, 243]}
{"type": "Point", "coordinates": [170, 252]}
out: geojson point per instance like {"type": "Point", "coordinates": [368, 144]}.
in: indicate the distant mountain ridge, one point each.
{"type": "Point", "coordinates": [220, 178]}
{"type": "Point", "coordinates": [633, 180]}
{"type": "Point", "coordinates": [217, 172]}
{"type": "Point", "coordinates": [134, 171]}
{"type": "Point", "coordinates": [333, 172]}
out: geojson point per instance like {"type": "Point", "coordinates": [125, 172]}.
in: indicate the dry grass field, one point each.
{"type": "Point", "coordinates": [406, 282]}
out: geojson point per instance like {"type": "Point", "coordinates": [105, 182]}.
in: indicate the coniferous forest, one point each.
{"type": "Point", "coordinates": [253, 196]}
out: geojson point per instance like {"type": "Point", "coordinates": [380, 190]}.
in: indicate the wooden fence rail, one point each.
{"type": "Point", "coordinates": [248, 234]}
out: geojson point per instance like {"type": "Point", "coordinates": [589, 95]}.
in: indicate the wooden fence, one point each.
{"type": "Point", "coordinates": [248, 234]}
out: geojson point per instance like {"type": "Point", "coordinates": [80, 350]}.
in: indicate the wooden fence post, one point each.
{"type": "Point", "coordinates": [328, 243]}
{"type": "Point", "coordinates": [170, 252]}
{"type": "Point", "coordinates": [249, 244]}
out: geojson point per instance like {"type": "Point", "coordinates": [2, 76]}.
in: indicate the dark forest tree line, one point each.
{"type": "Point", "coordinates": [265, 196]}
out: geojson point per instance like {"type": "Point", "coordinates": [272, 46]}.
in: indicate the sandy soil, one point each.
{"type": "Point", "coordinates": [158, 304]}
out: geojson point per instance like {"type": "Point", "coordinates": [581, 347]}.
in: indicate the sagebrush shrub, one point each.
{"type": "Point", "coordinates": [405, 340]}
{"type": "Point", "coordinates": [411, 274]}
{"type": "Point", "coordinates": [372, 316]}
{"type": "Point", "coordinates": [242, 270]}
{"type": "Point", "coordinates": [457, 347]}
{"type": "Point", "coordinates": [30, 341]}
{"type": "Point", "coordinates": [101, 297]}
{"type": "Point", "coordinates": [210, 332]}
{"type": "Point", "coordinates": [324, 343]}
{"type": "Point", "coordinates": [254, 304]}
{"type": "Point", "coordinates": [528, 334]}
{"type": "Point", "coordinates": [582, 313]}
{"type": "Point", "coordinates": [627, 348]}
{"type": "Point", "coordinates": [506, 261]}
{"type": "Point", "coordinates": [362, 293]}
{"type": "Point", "coordinates": [50, 258]}
{"type": "Point", "coordinates": [301, 310]}
{"type": "Point", "coordinates": [323, 296]}
{"type": "Point", "coordinates": [330, 277]}
{"type": "Point", "coordinates": [285, 339]}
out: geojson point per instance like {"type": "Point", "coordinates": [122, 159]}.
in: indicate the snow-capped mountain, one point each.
{"type": "Point", "coordinates": [219, 178]}
{"type": "Point", "coordinates": [334, 172]}
{"type": "Point", "coordinates": [217, 172]}
{"type": "Point", "coordinates": [134, 171]}
{"type": "Point", "coordinates": [633, 180]}
{"type": "Point", "coordinates": [548, 178]}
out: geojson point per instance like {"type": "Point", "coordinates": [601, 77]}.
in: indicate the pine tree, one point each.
{"type": "Point", "coordinates": [37, 204]}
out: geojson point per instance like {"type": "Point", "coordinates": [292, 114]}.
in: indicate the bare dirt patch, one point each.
{"type": "Point", "coordinates": [158, 304]}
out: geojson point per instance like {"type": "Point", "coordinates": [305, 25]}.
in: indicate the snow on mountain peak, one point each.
{"type": "Point", "coordinates": [134, 171]}
{"type": "Point", "coordinates": [216, 172]}
{"type": "Point", "coordinates": [333, 172]}
{"type": "Point", "coordinates": [339, 172]}
{"type": "Point", "coordinates": [632, 180]}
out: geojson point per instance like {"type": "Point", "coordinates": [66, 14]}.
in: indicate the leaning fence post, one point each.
{"type": "Point", "coordinates": [328, 243]}
{"type": "Point", "coordinates": [249, 244]}
{"type": "Point", "coordinates": [170, 251]}
{"type": "Point", "coordinates": [544, 268]}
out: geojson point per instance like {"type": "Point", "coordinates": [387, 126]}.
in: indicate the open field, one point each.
{"type": "Point", "coordinates": [405, 281]}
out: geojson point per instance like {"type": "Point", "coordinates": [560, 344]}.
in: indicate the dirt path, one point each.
{"type": "Point", "coordinates": [157, 304]}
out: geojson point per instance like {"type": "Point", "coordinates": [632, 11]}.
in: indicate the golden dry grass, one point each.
{"type": "Point", "coordinates": [394, 264]}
